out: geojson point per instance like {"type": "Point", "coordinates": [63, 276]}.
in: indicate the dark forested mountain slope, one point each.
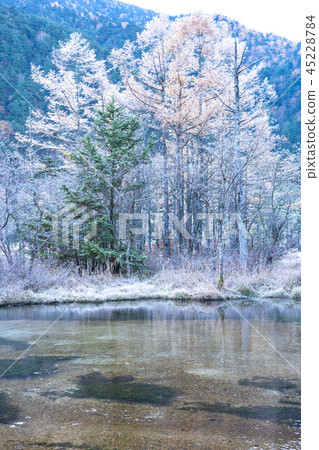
{"type": "Point", "coordinates": [24, 39]}
{"type": "Point", "coordinates": [93, 9]}
{"type": "Point", "coordinates": [29, 29]}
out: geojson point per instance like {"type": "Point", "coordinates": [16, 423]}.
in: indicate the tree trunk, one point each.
{"type": "Point", "coordinates": [240, 202]}
{"type": "Point", "coordinates": [128, 250]}
{"type": "Point", "coordinates": [166, 201]}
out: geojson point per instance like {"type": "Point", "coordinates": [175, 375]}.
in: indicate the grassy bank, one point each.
{"type": "Point", "coordinates": [51, 285]}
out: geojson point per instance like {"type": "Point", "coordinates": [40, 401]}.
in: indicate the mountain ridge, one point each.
{"type": "Point", "coordinates": [107, 24]}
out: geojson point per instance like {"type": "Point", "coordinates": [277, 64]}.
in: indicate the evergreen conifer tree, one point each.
{"type": "Point", "coordinates": [107, 161]}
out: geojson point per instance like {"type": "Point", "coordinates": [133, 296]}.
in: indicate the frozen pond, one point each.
{"type": "Point", "coordinates": [147, 375]}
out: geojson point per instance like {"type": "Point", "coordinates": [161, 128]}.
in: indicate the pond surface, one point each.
{"type": "Point", "coordinates": [148, 375]}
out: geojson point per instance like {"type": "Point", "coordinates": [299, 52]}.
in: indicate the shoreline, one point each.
{"type": "Point", "coordinates": [22, 302]}
{"type": "Point", "coordinates": [51, 299]}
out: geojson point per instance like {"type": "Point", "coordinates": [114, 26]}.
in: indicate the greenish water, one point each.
{"type": "Point", "coordinates": [143, 375]}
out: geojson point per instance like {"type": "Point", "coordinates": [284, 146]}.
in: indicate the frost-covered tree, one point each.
{"type": "Point", "coordinates": [29, 194]}
{"type": "Point", "coordinates": [274, 210]}
{"type": "Point", "coordinates": [245, 100]}
{"type": "Point", "coordinates": [76, 88]}
{"type": "Point", "coordinates": [173, 72]}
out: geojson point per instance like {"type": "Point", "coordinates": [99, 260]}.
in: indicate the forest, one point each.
{"type": "Point", "coordinates": [168, 155]}
{"type": "Point", "coordinates": [29, 30]}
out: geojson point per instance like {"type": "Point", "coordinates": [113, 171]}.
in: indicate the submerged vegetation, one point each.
{"type": "Point", "coordinates": [268, 383]}
{"type": "Point", "coordinates": [122, 389]}
{"type": "Point", "coordinates": [15, 345]}
{"type": "Point", "coordinates": [8, 412]}
{"type": "Point", "coordinates": [278, 414]}
{"type": "Point", "coordinates": [31, 366]}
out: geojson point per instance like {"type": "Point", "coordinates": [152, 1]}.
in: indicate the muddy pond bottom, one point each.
{"type": "Point", "coordinates": [148, 375]}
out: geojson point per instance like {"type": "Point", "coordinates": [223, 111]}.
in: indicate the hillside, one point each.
{"type": "Point", "coordinates": [94, 9]}
{"type": "Point", "coordinates": [30, 29]}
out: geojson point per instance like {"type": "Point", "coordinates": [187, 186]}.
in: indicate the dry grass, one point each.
{"type": "Point", "coordinates": [49, 283]}
{"type": "Point", "coordinates": [188, 282]}
{"type": "Point", "coordinates": [282, 279]}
